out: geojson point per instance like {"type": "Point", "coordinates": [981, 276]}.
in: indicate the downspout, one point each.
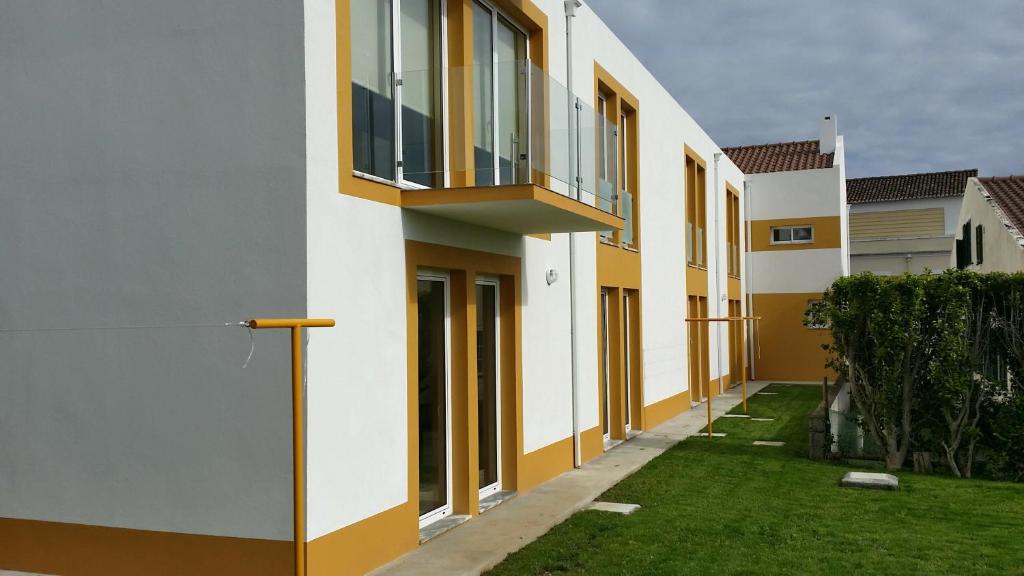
{"type": "Point", "coordinates": [574, 186]}
{"type": "Point", "coordinates": [718, 280]}
{"type": "Point", "coordinates": [751, 357]}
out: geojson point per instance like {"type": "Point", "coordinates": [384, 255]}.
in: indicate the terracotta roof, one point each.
{"type": "Point", "coordinates": [907, 186]}
{"type": "Point", "coordinates": [1007, 193]}
{"type": "Point", "coordinates": [783, 157]}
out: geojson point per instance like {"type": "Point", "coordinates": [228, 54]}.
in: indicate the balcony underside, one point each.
{"type": "Point", "coordinates": [518, 208]}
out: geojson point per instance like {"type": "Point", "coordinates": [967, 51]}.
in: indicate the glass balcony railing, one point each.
{"type": "Point", "coordinates": [507, 123]}
{"type": "Point", "coordinates": [627, 215]}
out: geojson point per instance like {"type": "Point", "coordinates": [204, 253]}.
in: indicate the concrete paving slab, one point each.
{"type": "Point", "coordinates": [763, 419]}
{"type": "Point", "coordinates": [768, 443]}
{"type": "Point", "coordinates": [484, 541]}
{"type": "Point", "coordinates": [617, 507]}
{"type": "Point", "coordinates": [735, 416]}
{"type": "Point", "coordinates": [768, 393]}
{"type": "Point", "coordinates": [870, 480]}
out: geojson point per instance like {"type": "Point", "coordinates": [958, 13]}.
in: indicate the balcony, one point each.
{"type": "Point", "coordinates": [515, 151]}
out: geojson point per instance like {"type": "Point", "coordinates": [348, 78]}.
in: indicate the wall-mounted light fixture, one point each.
{"type": "Point", "coordinates": [552, 276]}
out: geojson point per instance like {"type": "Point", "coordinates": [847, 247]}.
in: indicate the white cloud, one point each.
{"type": "Point", "coordinates": [917, 85]}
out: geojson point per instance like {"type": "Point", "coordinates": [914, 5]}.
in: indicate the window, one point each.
{"type": "Point", "coordinates": [396, 117]}
{"type": "Point", "coordinates": [627, 198]}
{"type": "Point", "coordinates": [979, 251]}
{"type": "Point", "coordinates": [607, 159]}
{"type": "Point", "coordinates": [792, 234]}
{"type": "Point", "coordinates": [812, 316]}
{"type": "Point", "coordinates": [963, 247]}
{"type": "Point", "coordinates": [732, 231]}
{"type": "Point", "coordinates": [696, 212]}
{"type": "Point", "coordinates": [615, 153]}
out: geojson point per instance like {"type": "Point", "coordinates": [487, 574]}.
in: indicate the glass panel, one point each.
{"type": "Point", "coordinates": [421, 92]}
{"type": "Point", "coordinates": [483, 95]}
{"type": "Point", "coordinates": [510, 54]}
{"type": "Point", "coordinates": [700, 246]}
{"type": "Point", "coordinates": [373, 105]}
{"type": "Point", "coordinates": [689, 242]}
{"type": "Point", "coordinates": [553, 145]}
{"type": "Point", "coordinates": [607, 163]}
{"type": "Point", "coordinates": [802, 234]}
{"type": "Point", "coordinates": [433, 396]}
{"type": "Point", "coordinates": [782, 234]}
{"type": "Point", "coordinates": [627, 215]}
{"type": "Point", "coordinates": [586, 119]}
{"type": "Point", "coordinates": [487, 382]}
{"type": "Point", "coordinates": [624, 166]}
{"type": "Point", "coordinates": [604, 373]}
{"type": "Point", "coordinates": [625, 348]}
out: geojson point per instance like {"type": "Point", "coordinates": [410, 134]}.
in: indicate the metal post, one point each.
{"type": "Point", "coordinates": [298, 478]}
{"type": "Point", "coordinates": [743, 361]}
{"type": "Point", "coordinates": [298, 450]}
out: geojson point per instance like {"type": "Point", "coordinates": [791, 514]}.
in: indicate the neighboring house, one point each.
{"type": "Point", "coordinates": [990, 225]}
{"type": "Point", "coordinates": [510, 292]}
{"type": "Point", "coordinates": [797, 245]}
{"type": "Point", "coordinates": [904, 223]}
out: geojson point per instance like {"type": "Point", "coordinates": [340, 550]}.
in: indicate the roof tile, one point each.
{"type": "Point", "coordinates": [1007, 192]}
{"type": "Point", "coordinates": [907, 186]}
{"type": "Point", "coordinates": [782, 157]}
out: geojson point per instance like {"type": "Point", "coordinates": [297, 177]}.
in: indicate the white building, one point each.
{"type": "Point", "coordinates": [503, 245]}
{"type": "Point", "coordinates": [990, 225]}
{"type": "Point", "coordinates": [798, 244]}
{"type": "Point", "coordinates": [905, 223]}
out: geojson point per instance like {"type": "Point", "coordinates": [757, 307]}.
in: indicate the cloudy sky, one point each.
{"type": "Point", "coordinates": [917, 85]}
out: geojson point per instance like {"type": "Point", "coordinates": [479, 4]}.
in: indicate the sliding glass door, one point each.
{"type": "Point", "coordinates": [420, 93]}
{"type": "Point", "coordinates": [488, 387]}
{"type": "Point", "coordinates": [499, 99]}
{"type": "Point", "coordinates": [434, 392]}
{"type": "Point", "coordinates": [373, 96]}
{"type": "Point", "coordinates": [626, 344]}
{"type": "Point", "coordinates": [397, 130]}
{"type": "Point", "coordinates": [606, 372]}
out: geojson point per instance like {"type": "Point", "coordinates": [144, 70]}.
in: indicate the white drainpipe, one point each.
{"type": "Point", "coordinates": [751, 357]}
{"type": "Point", "coordinates": [719, 296]}
{"type": "Point", "coordinates": [570, 13]}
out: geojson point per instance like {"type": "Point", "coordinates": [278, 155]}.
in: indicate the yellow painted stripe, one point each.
{"type": "Point", "coordinates": [827, 233]}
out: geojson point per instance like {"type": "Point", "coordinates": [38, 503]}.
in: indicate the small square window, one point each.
{"type": "Point", "coordinates": [782, 235]}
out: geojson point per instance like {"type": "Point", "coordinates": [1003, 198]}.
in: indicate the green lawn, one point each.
{"type": "Point", "coordinates": [727, 507]}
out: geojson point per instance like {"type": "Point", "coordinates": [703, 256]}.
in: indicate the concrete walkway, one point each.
{"type": "Point", "coordinates": [483, 542]}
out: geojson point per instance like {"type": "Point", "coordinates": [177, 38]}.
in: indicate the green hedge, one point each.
{"type": "Point", "coordinates": [934, 364]}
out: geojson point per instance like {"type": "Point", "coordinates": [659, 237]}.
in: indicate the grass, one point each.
{"type": "Point", "coordinates": [728, 507]}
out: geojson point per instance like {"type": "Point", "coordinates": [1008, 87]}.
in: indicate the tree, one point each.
{"type": "Point", "coordinates": [877, 333]}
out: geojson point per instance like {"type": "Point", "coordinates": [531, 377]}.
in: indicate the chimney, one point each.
{"type": "Point", "coordinates": [828, 134]}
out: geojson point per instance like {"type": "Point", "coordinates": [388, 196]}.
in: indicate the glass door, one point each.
{"type": "Point", "coordinates": [434, 392]}
{"type": "Point", "coordinates": [626, 393]}
{"type": "Point", "coordinates": [420, 93]}
{"type": "Point", "coordinates": [510, 62]}
{"type": "Point", "coordinates": [605, 373]}
{"type": "Point", "coordinates": [499, 98]}
{"type": "Point", "coordinates": [488, 387]}
{"type": "Point", "coordinates": [373, 97]}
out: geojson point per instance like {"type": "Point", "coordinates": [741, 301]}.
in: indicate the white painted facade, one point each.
{"type": "Point", "coordinates": [346, 365]}
{"type": "Point", "coordinates": [799, 194]}
{"type": "Point", "coordinates": [208, 450]}
{"type": "Point", "coordinates": [1003, 243]}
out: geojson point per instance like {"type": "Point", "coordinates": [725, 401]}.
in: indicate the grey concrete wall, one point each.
{"type": "Point", "coordinates": [152, 172]}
